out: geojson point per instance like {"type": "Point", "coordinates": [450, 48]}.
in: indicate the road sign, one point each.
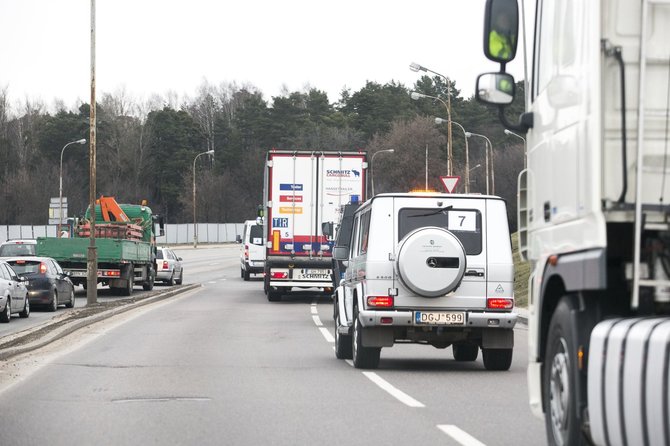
{"type": "Point", "coordinates": [450, 183]}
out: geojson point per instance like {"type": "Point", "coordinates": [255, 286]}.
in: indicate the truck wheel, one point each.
{"type": "Point", "coordinates": [363, 357]}
{"type": "Point", "coordinates": [558, 378]}
{"type": "Point", "coordinates": [149, 284]}
{"type": "Point", "coordinates": [343, 346]}
{"type": "Point", "coordinates": [274, 296]}
{"type": "Point", "coordinates": [246, 275]}
{"type": "Point", "coordinates": [497, 358]}
{"type": "Point", "coordinates": [130, 283]}
{"type": "Point", "coordinates": [465, 351]}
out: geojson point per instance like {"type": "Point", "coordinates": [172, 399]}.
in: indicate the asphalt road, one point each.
{"type": "Point", "coordinates": [222, 365]}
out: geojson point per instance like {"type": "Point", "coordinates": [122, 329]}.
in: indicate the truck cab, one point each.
{"type": "Point", "coordinates": [593, 215]}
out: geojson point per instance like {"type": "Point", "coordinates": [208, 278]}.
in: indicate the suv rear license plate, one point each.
{"type": "Point", "coordinates": [439, 318]}
{"type": "Point", "coordinates": [318, 274]}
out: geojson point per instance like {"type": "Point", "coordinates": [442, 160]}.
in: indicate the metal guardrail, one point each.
{"type": "Point", "coordinates": [175, 234]}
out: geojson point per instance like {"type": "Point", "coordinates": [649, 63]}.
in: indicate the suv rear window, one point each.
{"type": "Point", "coordinates": [465, 224]}
{"type": "Point", "coordinates": [17, 249]}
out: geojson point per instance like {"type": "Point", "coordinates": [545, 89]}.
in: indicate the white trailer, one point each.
{"type": "Point", "coordinates": [594, 219]}
{"type": "Point", "coordinates": [303, 191]}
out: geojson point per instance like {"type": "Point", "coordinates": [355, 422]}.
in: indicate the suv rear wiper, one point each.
{"type": "Point", "coordinates": [439, 211]}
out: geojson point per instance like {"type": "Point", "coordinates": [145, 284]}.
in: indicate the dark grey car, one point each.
{"type": "Point", "coordinates": [48, 285]}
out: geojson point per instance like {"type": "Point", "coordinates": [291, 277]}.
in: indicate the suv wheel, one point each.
{"type": "Point", "coordinates": [497, 358]}
{"type": "Point", "coordinates": [363, 357]}
{"type": "Point", "coordinates": [465, 351]}
{"type": "Point", "coordinates": [343, 345]}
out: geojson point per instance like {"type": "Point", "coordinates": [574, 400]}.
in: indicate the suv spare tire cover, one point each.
{"type": "Point", "coordinates": [431, 261]}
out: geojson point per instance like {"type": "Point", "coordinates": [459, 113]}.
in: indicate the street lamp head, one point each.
{"type": "Point", "coordinates": [81, 141]}
{"type": "Point", "coordinates": [468, 134]}
{"type": "Point", "coordinates": [440, 121]}
{"type": "Point", "coordinates": [416, 67]}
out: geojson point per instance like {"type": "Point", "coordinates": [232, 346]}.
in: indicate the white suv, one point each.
{"type": "Point", "coordinates": [427, 268]}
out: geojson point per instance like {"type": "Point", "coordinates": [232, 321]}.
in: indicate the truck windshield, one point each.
{"type": "Point", "coordinates": [465, 224]}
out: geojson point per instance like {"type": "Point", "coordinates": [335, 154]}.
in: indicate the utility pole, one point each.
{"type": "Point", "coordinates": [92, 258]}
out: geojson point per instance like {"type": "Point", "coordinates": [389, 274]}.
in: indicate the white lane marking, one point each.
{"type": "Point", "coordinates": [314, 310]}
{"type": "Point", "coordinates": [349, 361]}
{"type": "Point", "coordinates": [221, 280]}
{"type": "Point", "coordinates": [317, 320]}
{"type": "Point", "coordinates": [326, 334]}
{"type": "Point", "coordinates": [212, 281]}
{"type": "Point", "coordinates": [459, 435]}
{"type": "Point", "coordinates": [393, 391]}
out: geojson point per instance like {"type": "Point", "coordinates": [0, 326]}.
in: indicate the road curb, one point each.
{"type": "Point", "coordinates": [76, 324]}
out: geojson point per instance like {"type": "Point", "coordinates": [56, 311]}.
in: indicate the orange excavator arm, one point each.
{"type": "Point", "coordinates": [111, 211]}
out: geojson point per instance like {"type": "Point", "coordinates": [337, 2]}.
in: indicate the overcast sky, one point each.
{"type": "Point", "coordinates": [154, 46]}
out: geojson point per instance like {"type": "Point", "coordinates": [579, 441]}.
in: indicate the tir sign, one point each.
{"type": "Point", "coordinates": [450, 183]}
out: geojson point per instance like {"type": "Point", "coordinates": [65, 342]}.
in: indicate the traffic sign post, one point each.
{"type": "Point", "coordinates": [450, 183]}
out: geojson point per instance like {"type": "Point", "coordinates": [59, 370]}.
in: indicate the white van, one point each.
{"type": "Point", "coordinates": [252, 255]}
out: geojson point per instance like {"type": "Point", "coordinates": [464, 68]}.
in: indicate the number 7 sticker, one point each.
{"type": "Point", "coordinates": [462, 221]}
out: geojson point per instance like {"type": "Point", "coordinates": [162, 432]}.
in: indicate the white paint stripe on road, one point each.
{"type": "Point", "coordinates": [349, 361]}
{"type": "Point", "coordinates": [314, 310]}
{"type": "Point", "coordinates": [459, 435]}
{"type": "Point", "coordinates": [393, 391]}
{"type": "Point", "coordinates": [317, 320]}
{"type": "Point", "coordinates": [326, 334]}
{"type": "Point", "coordinates": [212, 281]}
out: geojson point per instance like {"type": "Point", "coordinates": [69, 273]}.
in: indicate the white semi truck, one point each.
{"type": "Point", "coordinates": [303, 191]}
{"type": "Point", "coordinates": [594, 219]}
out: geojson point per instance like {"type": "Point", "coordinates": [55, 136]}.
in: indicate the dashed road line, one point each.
{"type": "Point", "coordinates": [459, 435]}
{"type": "Point", "coordinates": [392, 390]}
{"type": "Point", "coordinates": [326, 334]}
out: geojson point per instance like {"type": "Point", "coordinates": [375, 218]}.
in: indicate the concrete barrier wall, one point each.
{"type": "Point", "coordinates": [175, 234]}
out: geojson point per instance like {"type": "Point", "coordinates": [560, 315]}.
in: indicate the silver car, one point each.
{"type": "Point", "coordinates": [169, 268]}
{"type": "Point", "coordinates": [13, 294]}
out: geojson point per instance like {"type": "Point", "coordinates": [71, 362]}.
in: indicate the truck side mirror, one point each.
{"type": "Point", "coordinates": [501, 30]}
{"type": "Point", "coordinates": [495, 88]}
{"type": "Point", "coordinates": [328, 229]}
{"type": "Point", "coordinates": [341, 253]}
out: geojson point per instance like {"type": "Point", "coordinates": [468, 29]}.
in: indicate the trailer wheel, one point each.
{"type": "Point", "coordinates": [558, 379]}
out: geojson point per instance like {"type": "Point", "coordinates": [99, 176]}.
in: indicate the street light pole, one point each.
{"type": "Point", "coordinates": [416, 67]}
{"type": "Point", "coordinates": [416, 95]}
{"type": "Point", "coordinates": [467, 152]}
{"type": "Point", "coordinates": [509, 132]}
{"type": "Point", "coordinates": [372, 166]}
{"type": "Point", "coordinates": [489, 155]}
{"type": "Point", "coordinates": [195, 225]}
{"type": "Point", "coordinates": [60, 182]}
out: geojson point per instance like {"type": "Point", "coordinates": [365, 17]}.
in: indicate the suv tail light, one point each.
{"type": "Point", "coordinates": [380, 301]}
{"type": "Point", "coordinates": [497, 303]}
{"type": "Point", "coordinates": [165, 264]}
{"type": "Point", "coordinates": [43, 268]}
